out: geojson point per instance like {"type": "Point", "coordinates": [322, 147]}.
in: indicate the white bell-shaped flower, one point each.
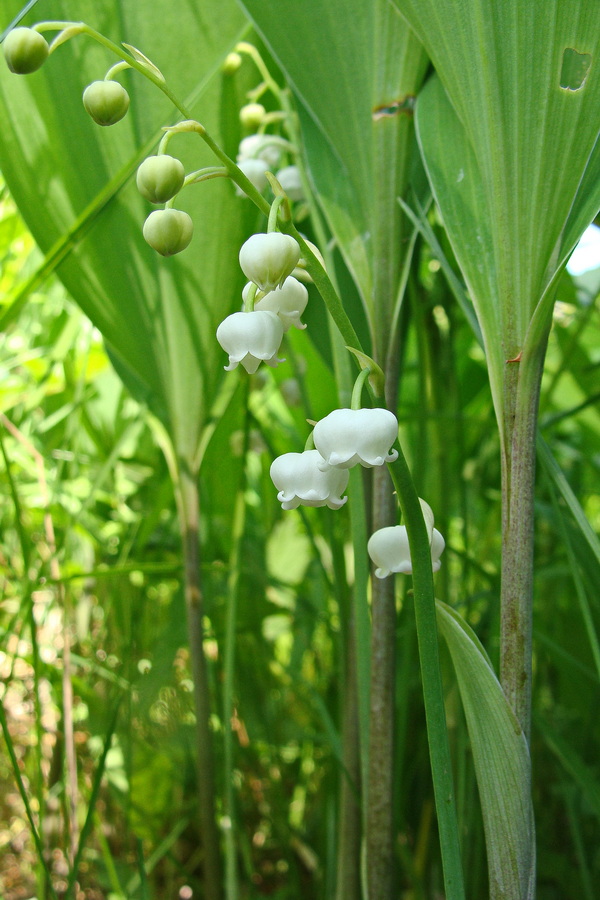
{"type": "Point", "coordinates": [289, 302]}
{"type": "Point", "coordinates": [349, 436]}
{"type": "Point", "coordinates": [261, 146]}
{"type": "Point", "coordinates": [254, 170]}
{"type": "Point", "coordinates": [290, 181]}
{"type": "Point", "coordinates": [251, 338]}
{"type": "Point", "coordinates": [390, 552]}
{"type": "Point", "coordinates": [268, 259]}
{"type": "Point", "coordinates": [302, 482]}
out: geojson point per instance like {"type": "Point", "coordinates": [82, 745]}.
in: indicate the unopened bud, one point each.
{"type": "Point", "coordinates": [252, 115]}
{"type": "Point", "coordinates": [106, 101]}
{"type": "Point", "coordinates": [168, 231]}
{"type": "Point", "coordinates": [25, 50]}
{"type": "Point", "coordinates": [159, 178]}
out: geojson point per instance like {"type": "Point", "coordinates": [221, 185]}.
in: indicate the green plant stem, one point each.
{"type": "Point", "coordinates": [433, 695]}
{"type": "Point", "coordinates": [518, 482]}
{"type": "Point", "coordinates": [380, 809]}
{"type": "Point", "coordinates": [186, 490]}
{"type": "Point", "coordinates": [353, 606]}
{"type": "Point", "coordinates": [239, 521]}
{"type": "Point", "coordinates": [349, 833]}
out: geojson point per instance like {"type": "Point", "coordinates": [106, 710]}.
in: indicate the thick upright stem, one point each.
{"type": "Point", "coordinates": [188, 507]}
{"type": "Point", "coordinates": [518, 484]}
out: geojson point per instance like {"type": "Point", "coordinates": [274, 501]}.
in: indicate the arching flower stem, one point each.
{"type": "Point", "coordinates": [355, 401]}
{"type": "Point", "coordinates": [250, 297]}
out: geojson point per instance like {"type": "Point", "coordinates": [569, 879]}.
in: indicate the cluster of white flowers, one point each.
{"type": "Point", "coordinates": [343, 439]}
{"type": "Point", "coordinates": [262, 153]}
{"type": "Point", "coordinates": [390, 551]}
{"type": "Point", "coordinates": [254, 336]}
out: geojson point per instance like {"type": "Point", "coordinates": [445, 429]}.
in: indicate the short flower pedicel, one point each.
{"type": "Point", "coordinates": [349, 436]}
{"type": "Point", "coordinates": [251, 338]}
{"type": "Point", "coordinates": [289, 302]}
{"type": "Point", "coordinates": [301, 482]}
{"type": "Point", "coordinates": [390, 551]}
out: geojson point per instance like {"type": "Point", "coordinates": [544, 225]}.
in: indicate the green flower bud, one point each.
{"type": "Point", "coordinates": [252, 115]}
{"type": "Point", "coordinates": [160, 177]}
{"type": "Point", "coordinates": [232, 63]}
{"type": "Point", "coordinates": [106, 101]}
{"type": "Point", "coordinates": [25, 50]}
{"type": "Point", "coordinates": [168, 231]}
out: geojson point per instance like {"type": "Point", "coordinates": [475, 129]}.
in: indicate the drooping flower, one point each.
{"type": "Point", "coordinates": [25, 50]}
{"type": "Point", "coordinates": [252, 114]}
{"type": "Point", "coordinates": [168, 231]}
{"type": "Point", "coordinates": [301, 481]}
{"type": "Point", "coordinates": [254, 170]}
{"type": "Point", "coordinates": [159, 178]}
{"type": "Point", "coordinates": [390, 551]}
{"type": "Point", "coordinates": [261, 146]}
{"type": "Point", "coordinates": [289, 302]}
{"type": "Point", "coordinates": [251, 338]}
{"type": "Point", "coordinates": [268, 259]}
{"type": "Point", "coordinates": [349, 436]}
{"type": "Point", "coordinates": [290, 181]}
{"type": "Point", "coordinates": [106, 101]}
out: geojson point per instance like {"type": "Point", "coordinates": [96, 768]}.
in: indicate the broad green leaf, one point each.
{"type": "Point", "coordinates": [510, 142]}
{"type": "Point", "coordinates": [355, 83]}
{"type": "Point", "coordinates": [158, 316]}
{"type": "Point", "coordinates": [501, 760]}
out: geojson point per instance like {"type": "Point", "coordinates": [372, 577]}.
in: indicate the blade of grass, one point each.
{"type": "Point", "coordinates": [580, 590]}
{"type": "Point", "coordinates": [558, 478]}
{"type": "Point", "coordinates": [89, 819]}
{"type": "Point", "coordinates": [23, 792]}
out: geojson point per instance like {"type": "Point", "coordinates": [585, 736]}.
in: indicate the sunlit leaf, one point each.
{"type": "Point", "coordinates": [158, 316]}
{"type": "Point", "coordinates": [509, 137]}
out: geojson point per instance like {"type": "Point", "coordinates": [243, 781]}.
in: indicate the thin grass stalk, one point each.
{"type": "Point", "coordinates": [25, 545]}
{"type": "Point", "coordinates": [71, 891]}
{"type": "Point", "coordinates": [48, 888]}
{"type": "Point", "coordinates": [584, 603]}
{"type": "Point", "coordinates": [71, 790]}
{"type": "Point", "coordinates": [187, 494]}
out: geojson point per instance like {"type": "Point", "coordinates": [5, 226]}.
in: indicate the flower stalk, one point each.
{"type": "Point", "coordinates": [188, 503]}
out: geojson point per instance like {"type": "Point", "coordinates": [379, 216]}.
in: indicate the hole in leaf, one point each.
{"type": "Point", "coordinates": [395, 108]}
{"type": "Point", "coordinates": [575, 67]}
